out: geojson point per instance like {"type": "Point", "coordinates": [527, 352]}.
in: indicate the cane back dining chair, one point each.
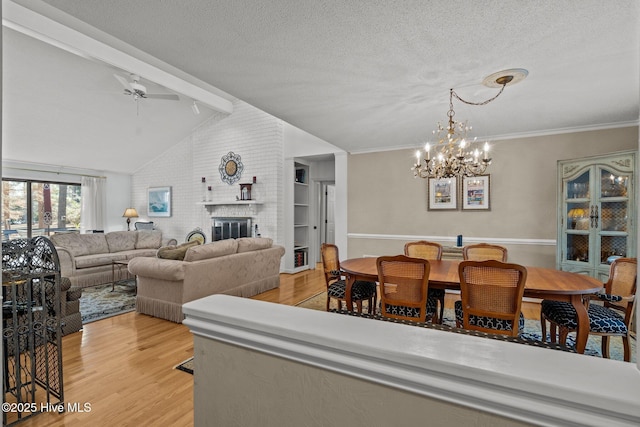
{"type": "Point", "coordinates": [484, 252]}
{"type": "Point", "coordinates": [491, 297]}
{"type": "Point", "coordinates": [429, 251]}
{"type": "Point", "coordinates": [337, 285]}
{"type": "Point", "coordinates": [612, 318]}
{"type": "Point", "coordinates": [404, 284]}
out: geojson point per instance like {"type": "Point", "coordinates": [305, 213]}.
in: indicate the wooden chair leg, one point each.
{"type": "Point", "coordinates": [563, 334]}
{"type": "Point", "coordinates": [441, 314]}
{"type": "Point", "coordinates": [552, 332]}
{"type": "Point", "coordinates": [605, 347]}
{"type": "Point", "coordinates": [329, 302]}
{"type": "Point", "coordinates": [627, 348]}
{"type": "Point", "coordinates": [543, 327]}
{"type": "Point", "coordinates": [359, 306]}
{"type": "Point", "coordinates": [372, 308]}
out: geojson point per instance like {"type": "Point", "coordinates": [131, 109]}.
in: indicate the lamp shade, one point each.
{"type": "Point", "coordinates": [130, 213]}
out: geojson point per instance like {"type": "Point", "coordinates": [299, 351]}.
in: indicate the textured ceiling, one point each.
{"type": "Point", "coordinates": [371, 75]}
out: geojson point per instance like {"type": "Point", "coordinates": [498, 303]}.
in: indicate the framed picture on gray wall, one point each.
{"type": "Point", "coordinates": [443, 194]}
{"type": "Point", "coordinates": [476, 193]}
{"type": "Point", "coordinates": [159, 201]}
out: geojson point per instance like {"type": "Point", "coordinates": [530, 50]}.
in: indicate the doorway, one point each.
{"type": "Point", "coordinates": [327, 212]}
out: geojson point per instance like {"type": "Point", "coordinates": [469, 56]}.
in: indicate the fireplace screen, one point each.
{"type": "Point", "coordinates": [230, 228]}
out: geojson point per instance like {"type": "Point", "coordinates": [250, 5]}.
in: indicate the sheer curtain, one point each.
{"type": "Point", "coordinates": [93, 204]}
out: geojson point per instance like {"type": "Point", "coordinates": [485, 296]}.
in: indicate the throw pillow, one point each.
{"type": "Point", "coordinates": [212, 250]}
{"type": "Point", "coordinates": [175, 252]}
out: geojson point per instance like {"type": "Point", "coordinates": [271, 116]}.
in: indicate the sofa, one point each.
{"type": "Point", "coordinates": [241, 267]}
{"type": "Point", "coordinates": [86, 259]}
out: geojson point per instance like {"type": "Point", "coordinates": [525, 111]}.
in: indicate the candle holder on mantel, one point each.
{"type": "Point", "coordinates": [204, 189]}
{"type": "Point", "coordinates": [245, 191]}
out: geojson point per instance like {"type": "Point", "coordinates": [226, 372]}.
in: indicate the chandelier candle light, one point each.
{"type": "Point", "coordinates": [454, 155]}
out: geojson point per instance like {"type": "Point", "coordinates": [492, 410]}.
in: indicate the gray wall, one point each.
{"type": "Point", "coordinates": [239, 387]}
{"type": "Point", "coordinates": [385, 198]}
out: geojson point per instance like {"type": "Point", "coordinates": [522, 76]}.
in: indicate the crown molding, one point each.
{"type": "Point", "coordinates": [518, 135]}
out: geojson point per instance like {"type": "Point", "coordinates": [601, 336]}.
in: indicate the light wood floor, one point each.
{"type": "Point", "coordinates": [123, 366]}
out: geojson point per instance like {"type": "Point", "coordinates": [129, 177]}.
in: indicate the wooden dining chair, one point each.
{"type": "Point", "coordinates": [404, 283]}
{"type": "Point", "coordinates": [484, 252]}
{"type": "Point", "coordinates": [336, 283]}
{"type": "Point", "coordinates": [611, 318]}
{"type": "Point", "coordinates": [429, 251]}
{"type": "Point", "coordinates": [491, 297]}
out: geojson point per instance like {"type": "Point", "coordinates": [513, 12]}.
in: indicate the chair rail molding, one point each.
{"type": "Point", "coordinates": [492, 240]}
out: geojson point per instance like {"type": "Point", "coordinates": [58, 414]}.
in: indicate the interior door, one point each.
{"type": "Point", "coordinates": [330, 221]}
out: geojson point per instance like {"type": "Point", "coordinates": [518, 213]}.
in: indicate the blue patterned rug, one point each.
{"type": "Point", "coordinates": [99, 302]}
{"type": "Point", "coordinates": [531, 330]}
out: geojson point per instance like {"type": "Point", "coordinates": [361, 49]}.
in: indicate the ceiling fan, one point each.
{"type": "Point", "coordinates": [135, 89]}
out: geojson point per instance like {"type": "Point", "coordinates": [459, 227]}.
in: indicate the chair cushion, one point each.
{"type": "Point", "coordinates": [398, 310]}
{"type": "Point", "coordinates": [610, 298]}
{"type": "Point", "coordinates": [360, 290]}
{"type": "Point", "coordinates": [487, 322]}
{"type": "Point", "coordinates": [601, 319]}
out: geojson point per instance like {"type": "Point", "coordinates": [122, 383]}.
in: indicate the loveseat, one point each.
{"type": "Point", "coordinates": [86, 259]}
{"type": "Point", "coordinates": [241, 267]}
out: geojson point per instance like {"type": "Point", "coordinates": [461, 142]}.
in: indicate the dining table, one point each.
{"type": "Point", "coordinates": [541, 283]}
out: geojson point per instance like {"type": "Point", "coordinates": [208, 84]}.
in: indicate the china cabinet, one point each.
{"type": "Point", "coordinates": [596, 218]}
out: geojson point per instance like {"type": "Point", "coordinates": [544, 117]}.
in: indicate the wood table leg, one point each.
{"type": "Point", "coordinates": [582, 333]}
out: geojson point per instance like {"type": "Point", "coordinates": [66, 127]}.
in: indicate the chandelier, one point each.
{"type": "Point", "coordinates": [453, 154]}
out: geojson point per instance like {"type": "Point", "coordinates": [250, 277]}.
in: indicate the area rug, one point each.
{"type": "Point", "coordinates": [99, 302]}
{"type": "Point", "coordinates": [186, 366]}
{"type": "Point", "coordinates": [531, 329]}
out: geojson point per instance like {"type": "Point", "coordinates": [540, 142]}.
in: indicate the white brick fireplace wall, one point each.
{"type": "Point", "coordinates": [256, 137]}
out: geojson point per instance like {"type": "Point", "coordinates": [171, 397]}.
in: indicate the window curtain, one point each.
{"type": "Point", "coordinates": [94, 201]}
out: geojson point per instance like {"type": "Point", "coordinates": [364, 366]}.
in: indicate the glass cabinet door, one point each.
{"type": "Point", "coordinates": [577, 213]}
{"type": "Point", "coordinates": [614, 221]}
{"type": "Point", "coordinates": [596, 213]}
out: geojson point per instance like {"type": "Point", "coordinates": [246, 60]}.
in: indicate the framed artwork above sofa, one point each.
{"type": "Point", "coordinates": [159, 201]}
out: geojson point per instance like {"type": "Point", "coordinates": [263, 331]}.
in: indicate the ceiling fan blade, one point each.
{"type": "Point", "coordinates": [124, 82]}
{"type": "Point", "coordinates": [168, 97]}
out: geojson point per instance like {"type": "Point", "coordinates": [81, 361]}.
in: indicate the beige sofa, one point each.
{"type": "Point", "coordinates": [86, 259]}
{"type": "Point", "coordinates": [241, 267]}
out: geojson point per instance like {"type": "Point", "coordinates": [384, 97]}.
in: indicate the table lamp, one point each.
{"type": "Point", "coordinates": [130, 213]}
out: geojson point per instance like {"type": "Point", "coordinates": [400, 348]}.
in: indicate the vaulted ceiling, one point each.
{"type": "Point", "coordinates": [363, 75]}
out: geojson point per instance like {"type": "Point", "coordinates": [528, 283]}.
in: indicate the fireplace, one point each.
{"type": "Point", "coordinates": [230, 228]}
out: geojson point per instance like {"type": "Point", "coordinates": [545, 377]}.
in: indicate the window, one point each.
{"type": "Point", "coordinates": [34, 208]}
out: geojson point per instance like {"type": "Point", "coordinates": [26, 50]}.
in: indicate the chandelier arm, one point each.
{"type": "Point", "coordinates": [478, 103]}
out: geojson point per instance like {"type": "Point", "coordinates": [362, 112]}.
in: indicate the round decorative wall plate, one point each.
{"type": "Point", "coordinates": [197, 235]}
{"type": "Point", "coordinates": [230, 168]}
